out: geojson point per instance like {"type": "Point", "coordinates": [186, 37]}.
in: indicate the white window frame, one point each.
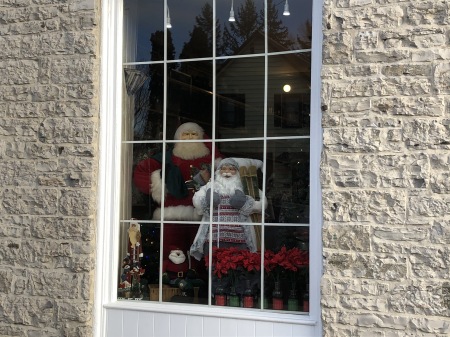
{"type": "Point", "coordinates": [108, 197]}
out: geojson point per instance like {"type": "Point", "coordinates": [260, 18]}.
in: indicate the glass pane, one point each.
{"type": "Point", "coordinates": [287, 186]}
{"type": "Point", "coordinates": [289, 24]}
{"type": "Point", "coordinates": [240, 98]}
{"type": "Point", "coordinates": [143, 30]}
{"type": "Point", "coordinates": [236, 269]}
{"type": "Point", "coordinates": [191, 29]}
{"type": "Point", "coordinates": [189, 95]}
{"type": "Point", "coordinates": [139, 268]}
{"type": "Point", "coordinates": [144, 90]}
{"type": "Point", "coordinates": [289, 94]}
{"type": "Point", "coordinates": [286, 267]}
{"type": "Point", "coordinates": [245, 34]}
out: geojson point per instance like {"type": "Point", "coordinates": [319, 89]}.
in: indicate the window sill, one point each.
{"type": "Point", "coordinates": [213, 311]}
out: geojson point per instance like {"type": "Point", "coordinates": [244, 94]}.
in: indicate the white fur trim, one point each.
{"type": "Point", "coordinates": [156, 186]}
{"type": "Point", "coordinates": [177, 213]}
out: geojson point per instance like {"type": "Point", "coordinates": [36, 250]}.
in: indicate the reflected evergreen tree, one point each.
{"type": "Point", "coordinates": [276, 30]}
{"type": "Point", "coordinates": [148, 113]}
{"type": "Point", "coordinates": [304, 37]}
{"type": "Point", "coordinates": [235, 34]}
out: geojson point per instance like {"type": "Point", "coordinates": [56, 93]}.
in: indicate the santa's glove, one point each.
{"type": "Point", "coordinates": [216, 198]}
{"type": "Point", "coordinates": [238, 200]}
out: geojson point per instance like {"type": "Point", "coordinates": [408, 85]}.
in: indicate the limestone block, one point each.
{"type": "Point", "coordinates": [363, 266]}
{"type": "Point", "coordinates": [425, 133]}
{"type": "Point", "coordinates": [431, 325]}
{"type": "Point", "coordinates": [28, 311]}
{"type": "Point", "coordinates": [428, 12]}
{"type": "Point", "coordinates": [352, 140]}
{"type": "Point", "coordinates": [366, 40]}
{"type": "Point", "coordinates": [76, 229]}
{"type": "Point", "coordinates": [361, 70]}
{"type": "Point", "coordinates": [417, 298]}
{"type": "Point", "coordinates": [81, 91]}
{"type": "Point", "coordinates": [374, 304]}
{"type": "Point", "coordinates": [69, 130]}
{"type": "Point", "coordinates": [337, 48]}
{"type": "Point", "coordinates": [440, 232]}
{"type": "Point", "coordinates": [411, 106]}
{"type": "Point", "coordinates": [395, 170]}
{"type": "Point", "coordinates": [11, 47]}
{"type": "Point", "coordinates": [442, 78]}
{"type": "Point", "coordinates": [388, 56]}
{"type": "Point", "coordinates": [429, 55]}
{"type": "Point", "coordinates": [6, 280]}
{"type": "Point", "coordinates": [29, 150]}
{"type": "Point", "coordinates": [370, 17]}
{"type": "Point", "coordinates": [76, 203]}
{"type": "Point", "coordinates": [54, 284]}
{"type": "Point", "coordinates": [427, 261]}
{"type": "Point", "coordinates": [78, 311]}
{"type": "Point", "coordinates": [41, 93]}
{"type": "Point", "coordinates": [18, 72]}
{"type": "Point", "coordinates": [30, 201]}
{"type": "Point", "coordinates": [85, 43]}
{"type": "Point", "coordinates": [407, 69]}
{"type": "Point", "coordinates": [79, 70]}
{"type": "Point", "coordinates": [76, 151]}
{"type": "Point", "coordinates": [50, 43]}
{"type": "Point", "coordinates": [347, 237]}
{"type": "Point", "coordinates": [428, 38]}
{"type": "Point", "coordinates": [17, 173]}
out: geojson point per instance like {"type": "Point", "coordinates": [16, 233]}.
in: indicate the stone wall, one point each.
{"type": "Point", "coordinates": [49, 57]}
{"type": "Point", "coordinates": [385, 168]}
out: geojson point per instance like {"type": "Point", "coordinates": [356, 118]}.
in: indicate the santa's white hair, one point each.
{"type": "Point", "coordinates": [189, 126]}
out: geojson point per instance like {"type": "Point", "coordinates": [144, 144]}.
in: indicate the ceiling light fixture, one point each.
{"type": "Point", "coordinates": [231, 18]}
{"type": "Point", "coordinates": [168, 24]}
{"type": "Point", "coordinates": [286, 9]}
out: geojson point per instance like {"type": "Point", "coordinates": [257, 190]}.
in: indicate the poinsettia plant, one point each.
{"type": "Point", "coordinates": [285, 261]}
{"type": "Point", "coordinates": [233, 260]}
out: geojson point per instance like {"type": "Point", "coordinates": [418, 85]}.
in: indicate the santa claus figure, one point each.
{"type": "Point", "coordinates": [230, 205]}
{"type": "Point", "coordinates": [187, 168]}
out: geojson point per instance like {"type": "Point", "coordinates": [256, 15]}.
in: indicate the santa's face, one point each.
{"type": "Point", "coordinates": [177, 256]}
{"type": "Point", "coordinates": [227, 181]}
{"type": "Point", "coordinates": [227, 171]}
{"type": "Point", "coordinates": [189, 135]}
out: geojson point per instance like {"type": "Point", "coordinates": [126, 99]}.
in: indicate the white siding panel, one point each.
{"type": "Point", "coordinates": [130, 323]}
{"type": "Point", "coordinates": [114, 323]}
{"type": "Point", "coordinates": [282, 330]}
{"type": "Point", "coordinates": [162, 325]}
{"type": "Point", "coordinates": [246, 328]}
{"type": "Point", "coordinates": [211, 327]}
{"type": "Point", "coordinates": [146, 324]}
{"type": "Point", "coordinates": [228, 327]}
{"type": "Point", "coordinates": [177, 325]}
{"type": "Point", "coordinates": [264, 329]}
{"type": "Point", "coordinates": [194, 326]}
{"type": "Point", "coordinates": [137, 323]}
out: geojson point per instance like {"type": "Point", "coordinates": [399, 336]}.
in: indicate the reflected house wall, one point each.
{"type": "Point", "coordinates": [245, 76]}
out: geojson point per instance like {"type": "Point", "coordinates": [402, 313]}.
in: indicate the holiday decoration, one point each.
{"type": "Point", "coordinates": [130, 285]}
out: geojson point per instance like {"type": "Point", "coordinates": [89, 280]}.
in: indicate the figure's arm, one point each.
{"type": "Point", "coordinates": [142, 173]}
{"type": "Point", "coordinates": [202, 198]}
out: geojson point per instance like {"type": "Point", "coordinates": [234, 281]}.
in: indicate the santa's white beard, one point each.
{"type": "Point", "coordinates": [189, 151]}
{"type": "Point", "coordinates": [227, 185]}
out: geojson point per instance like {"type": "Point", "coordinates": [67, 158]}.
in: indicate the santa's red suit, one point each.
{"type": "Point", "coordinates": [183, 167]}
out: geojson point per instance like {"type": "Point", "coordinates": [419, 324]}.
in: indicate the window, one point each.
{"type": "Point", "coordinates": [215, 180]}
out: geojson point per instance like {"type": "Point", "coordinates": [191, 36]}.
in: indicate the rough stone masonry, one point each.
{"type": "Point", "coordinates": [385, 168]}
{"type": "Point", "coordinates": [49, 60]}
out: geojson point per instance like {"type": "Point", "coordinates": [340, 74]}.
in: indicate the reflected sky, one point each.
{"type": "Point", "coordinates": [149, 17]}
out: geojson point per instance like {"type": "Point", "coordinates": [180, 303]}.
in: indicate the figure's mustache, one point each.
{"type": "Point", "coordinates": [227, 174]}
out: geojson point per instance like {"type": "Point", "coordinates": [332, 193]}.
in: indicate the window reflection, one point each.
{"type": "Point", "coordinates": [243, 104]}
